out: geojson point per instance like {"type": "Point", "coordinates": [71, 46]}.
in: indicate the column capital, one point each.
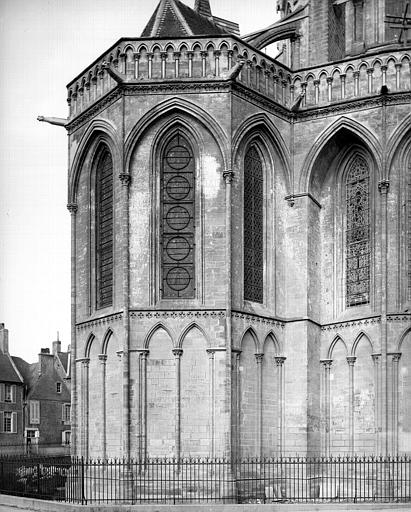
{"type": "Point", "coordinates": [356, 74]}
{"type": "Point", "coordinates": [228, 176]}
{"type": "Point", "coordinates": [259, 358]}
{"type": "Point", "coordinates": [143, 353]}
{"type": "Point", "coordinates": [102, 358]}
{"type": "Point", "coordinates": [125, 178]}
{"type": "Point", "coordinates": [72, 208]}
{"type": "Point", "coordinates": [210, 352]}
{"type": "Point", "coordinates": [279, 360]}
{"type": "Point", "coordinates": [177, 352]}
{"type": "Point", "coordinates": [383, 186]}
{"type": "Point", "coordinates": [204, 54]}
{"type": "Point", "coordinates": [119, 354]}
{"type": "Point", "coordinates": [396, 356]}
{"type": "Point", "coordinates": [326, 363]}
{"type": "Point", "coordinates": [376, 357]}
{"type": "Point", "coordinates": [351, 360]}
{"type": "Point", "coordinates": [329, 79]}
{"type": "Point", "coordinates": [177, 55]}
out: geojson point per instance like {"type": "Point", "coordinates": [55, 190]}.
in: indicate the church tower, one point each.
{"type": "Point", "coordinates": [241, 251]}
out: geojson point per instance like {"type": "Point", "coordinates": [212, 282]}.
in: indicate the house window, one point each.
{"type": "Point", "coordinates": [253, 226]}
{"type": "Point", "coordinates": [358, 233]}
{"type": "Point", "coordinates": [9, 393]}
{"type": "Point", "coordinates": [34, 409]}
{"type": "Point", "coordinates": [177, 219]}
{"type": "Point", "coordinates": [66, 413]}
{"type": "Point", "coordinates": [66, 437]}
{"type": "Point", "coordinates": [58, 387]}
{"type": "Point", "coordinates": [9, 422]}
{"type": "Point", "coordinates": [104, 229]}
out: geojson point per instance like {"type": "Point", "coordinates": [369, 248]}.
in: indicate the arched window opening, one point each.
{"type": "Point", "coordinates": [253, 226]}
{"type": "Point", "coordinates": [358, 233]}
{"type": "Point", "coordinates": [104, 229]}
{"type": "Point", "coordinates": [177, 219]}
{"type": "Point", "coordinates": [408, 223]}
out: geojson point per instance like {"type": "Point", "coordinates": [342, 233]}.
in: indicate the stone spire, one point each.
{"type": "Point", "coordinates": [203, 8]}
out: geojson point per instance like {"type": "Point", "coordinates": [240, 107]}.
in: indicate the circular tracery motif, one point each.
{"type": "Point", "coordinates": [178, 187]}
{"type": "Point", "coordinates": [178, 157]}
{"type": "Point", "coordinates": [178, 279]}
{"type": "Point", "coordinates": [178, 248]}
{"type": "Point", "coordinates": [178, 218]}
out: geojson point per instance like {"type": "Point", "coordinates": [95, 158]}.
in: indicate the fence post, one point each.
{"type": "Point", "coordinates": [82, 481]}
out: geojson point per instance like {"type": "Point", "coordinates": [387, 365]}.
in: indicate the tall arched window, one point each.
{"type": "Point", "coordinates": [358, 233]}
{"type": "Point", "coordinates": [177, 219]}
{"type": "Point", "coordinates": [253, 226]}
{"type": "Point", "coordinates": [104, 229]}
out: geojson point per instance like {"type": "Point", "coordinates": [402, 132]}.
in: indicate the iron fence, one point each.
{"type": "Point", "coordinates": [190, 480]}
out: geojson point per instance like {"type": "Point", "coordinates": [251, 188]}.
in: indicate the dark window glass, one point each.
{"type": "Point", "coordinates": [358, 233]}
{"type": "Point", "coordinates": [177, 219]}
{"type": "Point", "coordinates": [253, 226]}
{"type": "Point", "coordinates": [104, 229]}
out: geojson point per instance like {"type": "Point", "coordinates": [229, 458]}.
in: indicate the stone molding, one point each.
{"type": "Point", "coordinates": [351, 323]}
{"type": "Point", "coordinates": [161, 314]}
{"type": "Point", "coordinates": [257, 318]}
{"type": "Point", "coordinates": [99, 321]}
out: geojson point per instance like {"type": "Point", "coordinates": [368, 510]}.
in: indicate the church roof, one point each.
{"type": "Point", "coordinates": [172, 18]}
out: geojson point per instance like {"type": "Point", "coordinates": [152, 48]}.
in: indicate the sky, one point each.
{"type": "Point", "coordinates": [43, 45]}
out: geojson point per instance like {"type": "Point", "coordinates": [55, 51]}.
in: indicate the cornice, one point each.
{"type": "Point", "coordinates": [351, 323]}
{"type": "Point", "coordinates": [343, 106]}
{"type": "Point", "coordinates": [255, 318]}
{"type": "Point", "coordinates": [109, 319]}
{"type": "Point", "coordinates": [399, 317]}
{"type": "Point", "coordinates": [190, 314]}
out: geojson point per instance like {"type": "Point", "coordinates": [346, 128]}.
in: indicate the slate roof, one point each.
{"type": "Point", "coordinates": [63, 356]}
{"type": "Point", "coordinates": [172, 18]}
{"type": "Point", "coordinates": [7, 371]}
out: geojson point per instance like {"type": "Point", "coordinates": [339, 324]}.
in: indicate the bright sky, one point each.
{"type": "Point", "coordinates": [43, 45]}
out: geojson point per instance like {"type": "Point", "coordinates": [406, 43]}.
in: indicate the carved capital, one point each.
{"type": "Point", "coordinates": [190, 54]}
{"type": "Point", "coordinates": [163, 55]}
{"type": "Point", "coordinates": [316, 82]}
{"type": "Point", "coordinates": [259, 358]}
{"type": "Point", "coordinates": [210, 352]}
{"type": "Point", "coordinates": [396, 357]}
{"type": "Point", "coordinates": [228, 176]}
{"type": "Point", "coordinates": [217, 53]}
{"type": "Point", "coordinates": [143, 354]}
{"type": "Point", "coordinates": [383, 186]}
{"type": "Point", "coordinates": [329, 79]}
{"type": "Point", "coordinates": [72, 208]}
{"type": "Point", "coordinates": [119, 354]}
{"type": "Point", "coordinates": [356, 74]}
{"type": "Point", "coordinates": [85, 362]}
{"type": "Point", "coordinates": [376, 357]}
{"type": "Point", "coordinates": [177, 55]}
{"type": "Point", "coordinates": [279, 360]}
{"type": "Point", "coordinates": [102, 358]}
{"type": "Point", "coordinates": [326, 363]}
{"type": "Point", "coordinates": [203, 54]}
{"type": "Point", "coordinates": [125, 179]}
{"type": "Point", "coordinates": [136, 56]}
{"type": "Point", "coordinates": [351, 360]}
{"type": "Point", "coordinates": [177, 352]}
{"type": "Point", "coordinates": [370, 71]}
{"type": "Point", "coordinates": [290, 200]}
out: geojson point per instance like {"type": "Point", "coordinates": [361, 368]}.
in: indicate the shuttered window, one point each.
{"type": "Point", "coordinates": [104, 229]}
{"type": "Point", "coordinates": [8, 422]}
{"type": "Point", "coordinates": [34, 409]}
{"type": "Point", "coordinates": [253, 226]}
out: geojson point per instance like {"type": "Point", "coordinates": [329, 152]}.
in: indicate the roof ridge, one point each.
{"type": "Point", "coordinates": [181, 19]}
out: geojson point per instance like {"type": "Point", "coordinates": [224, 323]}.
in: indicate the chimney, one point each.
{"type": "Point", "coordinates": [4, 339]}
{"type": "Point", "coordinates": [203, 8]}
{"type": "Point", "coordinates": [56, 345]}
{"type": "Point", "coordinates": [44, 357]}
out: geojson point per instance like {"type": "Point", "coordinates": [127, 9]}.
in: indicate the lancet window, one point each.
{"type": "Point", "coordinates": [177, 219]}
{"type": "Point", "coordinates": [358, 233]}
{"type": "Point", "coordinates": [104, 229]}
{"type": "Point", "coordinates": [253, 226]}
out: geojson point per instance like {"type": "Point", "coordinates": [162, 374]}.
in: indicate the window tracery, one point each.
{"type": "Point", "coordinates": [104, 229]}
{"type": "Point", "coordinates": [177, 219]}
{"type": "Point", "coordinates": [358, 233]}
{"type": "Point", "coordinates": [253, 226]}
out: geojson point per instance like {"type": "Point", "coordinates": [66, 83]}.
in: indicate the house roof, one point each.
{"type": "Point", "coordinates": [8, 372]}
{"type": "Point", "coordinates": [172, 18]}
{"type": "Point", "coordinates": [63, 356]}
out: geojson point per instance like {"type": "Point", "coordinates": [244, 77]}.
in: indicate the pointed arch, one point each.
{"type": "Point", "coordinates": [187, 330]}
{"type": "Point", "coordinates": [157, 327]}
{"type": "Point", "coordinates": [99, 131]}
{"type": "Point", "coordinates": [177, 107]}
{"type": "Point", "coordinates": [250, 330]}
{"type": "Point", "coordinates": [360, 132]}
{"type": "Point", "coordinates": [106, 339]}
{"type": "Point", "coordinates": [399, 141]}
{"type": "Point", "coordinates": [333, 344]}
{"type": "Point", "coordinates": [271, 337]}
{"type": "Point", "coordinates": [402, 338]}
{"type": "Point", "coordinates": [270, 135]}
{"type": "Point", "coordinates": [362, 335]}
{"type": "Point", "coordinates": [90, 339]}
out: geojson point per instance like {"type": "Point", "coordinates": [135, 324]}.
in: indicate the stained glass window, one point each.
{"type": "Point", "coordinates": [358, 233]}
{"type": "Point", "coordinates": [104, 229]}
{"type": "Point", "coordinates": [253, 226]}
{"type": "Point", "coordinates": [177, 219]}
